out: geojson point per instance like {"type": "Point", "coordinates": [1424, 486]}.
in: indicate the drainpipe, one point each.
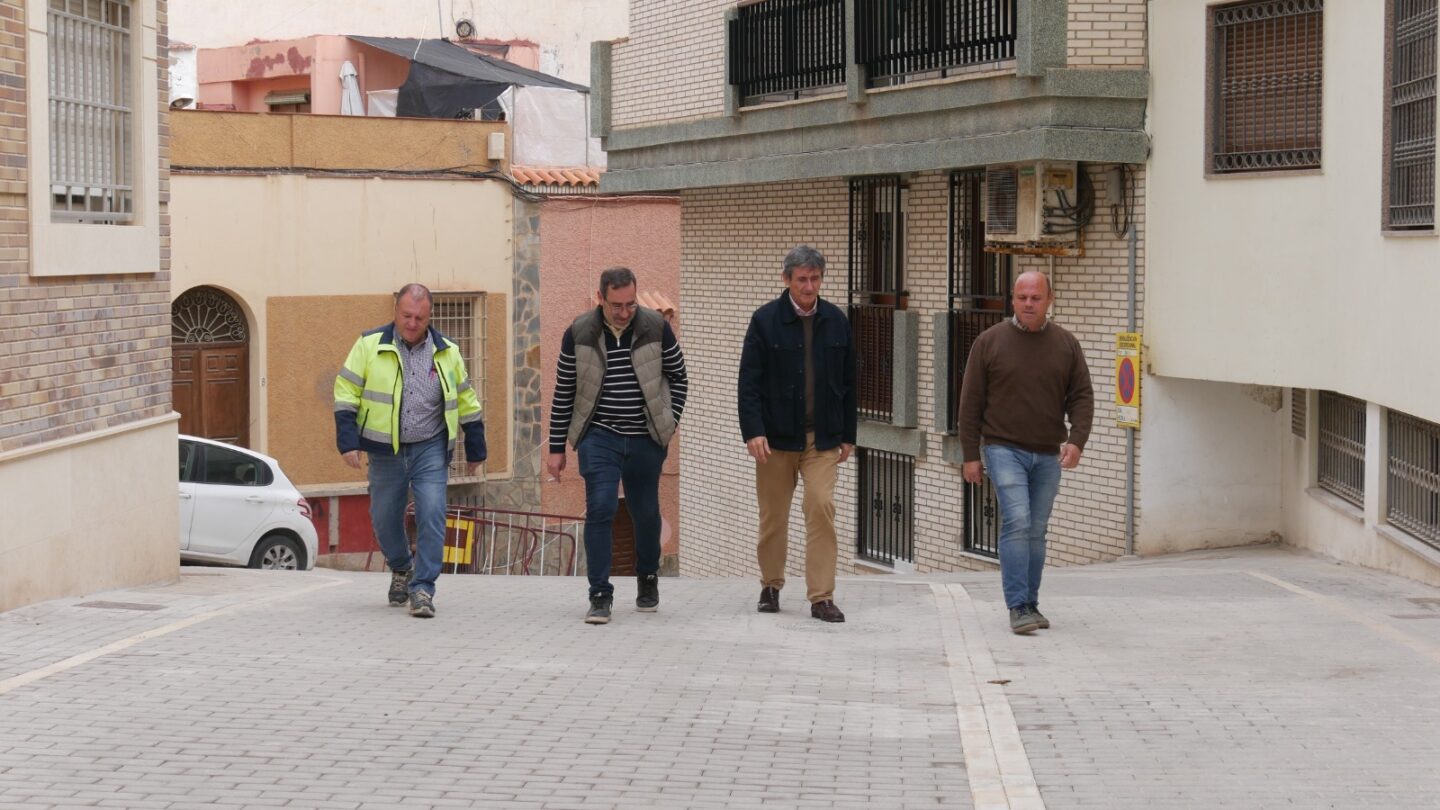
{"type": "Point", "coordinates": [1130, 432]}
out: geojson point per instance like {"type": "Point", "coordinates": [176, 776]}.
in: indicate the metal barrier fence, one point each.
{"type": "Point", "coordinates": [784, 47]}
{"type": "Point", "coordinates": [896, 39]}
{"type": "Point", "coordinates": [499, 541]}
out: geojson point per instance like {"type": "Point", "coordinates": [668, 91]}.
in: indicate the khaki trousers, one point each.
{"type": "Point", "coordinates": [774, 489]}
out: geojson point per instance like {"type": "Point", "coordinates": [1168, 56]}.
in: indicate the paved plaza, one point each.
{"type": "Point", "coordinates": [1247, 678]}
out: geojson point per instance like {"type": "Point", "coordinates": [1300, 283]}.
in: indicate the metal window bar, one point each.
{"type": "Point", "coordinates": [1341, 463]}
{"type": "Point", "coordinates": [1413, 471]}
{"type": "Point", "coordinates": [461, 318]}
{"type": "Point", "coordinates": [981, 530]}
{"type": "Point", "coordinates": [500, 541]}
{"type": "Point", "coordinates": [979, 297]}
{"type": "Point", "coordinates": [90, 110]}
{"type": "Point", "coordinates": [1297, 412]}
{"type": "Point", "coordinates": [782, 49]}
{"type": "Point", "coordinates": [875, 286]}
{"type": "Point", "coordinates": [1267, 102]}
{"type": "Point", "coordinates": [903, 40]}
{"type": "Point", "coordinates": [885, 519]}
{"type": "Point", "coordinates": [1412, 115]}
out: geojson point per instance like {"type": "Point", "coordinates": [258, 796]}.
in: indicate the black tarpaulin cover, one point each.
{"type": "Point", "coordinates": [447, 80]}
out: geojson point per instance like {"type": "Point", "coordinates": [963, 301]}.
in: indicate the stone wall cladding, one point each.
{"type": "Point", "coordinates": [733, 240]}
{"type": "Point", "coordinates": [672, 66]}
{"type": "Point", "coordinates": [1107, 34]}
{"type": "Point", "coordinates": [76, 354]}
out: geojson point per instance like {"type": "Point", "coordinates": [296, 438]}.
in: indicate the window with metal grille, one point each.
{"type": "Point", "coordinates": [876, 286]}
{"type": "Point", "coordinates": [1297, 412]}
{"type": "Point", "coordinates": [1413, 469]}
{"type": "Point", "coordinates": [1341, 462]}
{"type": "Point", "coordinates": [92, 134]}
{"type": "Point", "coordinates": [1410, 96]}
{"type": "Point", "coordinates": [885, 512]}
{"type": "Point", "coordinates": [1266, 60]}
{"type": "Point", "coordinates": [904, 40]}
{"type": "Point", "coordinates": [461, 318]}
{"type": "Point", "coordinates": [979, 297]}
{"type": "Point", "coordinates": [979, 282]}
{"type": "Point", "coordinates": [784, 49]}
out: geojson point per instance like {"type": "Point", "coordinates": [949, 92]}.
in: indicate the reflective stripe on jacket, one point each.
{"type": "Point", "coordinates": [368, 393]}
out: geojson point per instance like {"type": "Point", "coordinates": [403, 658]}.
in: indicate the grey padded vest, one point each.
{"type": "Point", "coordinates": [645, 353]}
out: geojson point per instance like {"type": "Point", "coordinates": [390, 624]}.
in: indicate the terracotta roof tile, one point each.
{"type": "Point", "coordinates": [555, 176]}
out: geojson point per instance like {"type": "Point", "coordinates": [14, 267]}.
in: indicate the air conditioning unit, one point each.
{"type": "Point", "coordinates": [1034, 208]}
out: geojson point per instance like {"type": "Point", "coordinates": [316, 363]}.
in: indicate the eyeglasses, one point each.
{"type": "Point", "coordinates": [619, 307]}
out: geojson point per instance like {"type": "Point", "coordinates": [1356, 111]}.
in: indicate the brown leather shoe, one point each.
{"type": "Point", "coordinates": [769, 600]}
{"type": "Point", "coordinates": [826, 611]}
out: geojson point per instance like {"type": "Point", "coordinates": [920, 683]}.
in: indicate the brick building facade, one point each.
{"type": "Point", "coordinates": [87, 436]}
{"type": "Point", "coordinates": [757, 176]}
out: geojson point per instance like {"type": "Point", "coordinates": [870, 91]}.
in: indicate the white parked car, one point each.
{"type": "Point", "coordinates": [237, 507]}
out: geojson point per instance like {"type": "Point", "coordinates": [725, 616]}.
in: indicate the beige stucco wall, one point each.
{"type": "Point", "coordinates": [564, 29]}
{"type": "Point", "coordinates": [1286, 279]}
{"type": "Point", "coordinates": [290, 235]}
{"type": "Point", "coordinates": [70, 530]}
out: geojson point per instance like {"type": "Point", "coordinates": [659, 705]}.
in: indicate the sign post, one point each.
{"type": "Point", "coordinates": [1127, 379]}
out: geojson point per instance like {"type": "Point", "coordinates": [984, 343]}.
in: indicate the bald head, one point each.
{"type": "Point", "coordinates": [412, 312]}
{"type": "Point", "coordinates": [1032, 298]}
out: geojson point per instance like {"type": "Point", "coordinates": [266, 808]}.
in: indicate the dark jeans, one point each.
{"type": "Point", "coordinates": [606, 460]}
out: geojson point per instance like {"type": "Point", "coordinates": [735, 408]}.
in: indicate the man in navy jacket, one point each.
{"type": "Point", "coordinates": [798, 418]}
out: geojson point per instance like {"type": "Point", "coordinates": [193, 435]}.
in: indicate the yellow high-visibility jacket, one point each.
{"type": "Point", "coordinates": [368, 389]}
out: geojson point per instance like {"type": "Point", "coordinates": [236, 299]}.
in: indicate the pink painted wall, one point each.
{"type": "Point", "coordinates": [578, 239]}
{"type": "Point", "coordinates": [242, 75]}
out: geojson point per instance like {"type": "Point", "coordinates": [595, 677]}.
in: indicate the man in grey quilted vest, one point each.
{"type": "Point", "coordinates": [620, 388]}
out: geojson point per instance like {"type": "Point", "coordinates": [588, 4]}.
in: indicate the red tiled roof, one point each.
{"type": "Point", "coordinates": [555, 176]}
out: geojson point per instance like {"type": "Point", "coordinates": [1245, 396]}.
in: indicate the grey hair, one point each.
{"type": "Point", "coordinates": [615, 278]}
{"type": "Point", "coordinates": [804, 256]}
{"type": "Point", "coordinates": [418, 292]}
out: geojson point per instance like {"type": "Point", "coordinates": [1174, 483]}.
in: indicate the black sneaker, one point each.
{"type": "Point", "coordinates": [1022, 621]}
{"type": "Point", "coordinates": [599, 612]}
{"type": "Point", "coordinates": [647, 598]}
{"type": "Point", "coordinates": [400, 587]}
{"type": "Point", "coordinates": [422, 605]}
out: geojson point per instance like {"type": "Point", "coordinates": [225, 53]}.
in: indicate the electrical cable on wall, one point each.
{"type": "Point", "coordinates": [1123, 212]}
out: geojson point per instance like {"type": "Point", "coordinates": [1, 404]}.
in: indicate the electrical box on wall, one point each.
{"type": "Point", "coordinates": [1036, 208]}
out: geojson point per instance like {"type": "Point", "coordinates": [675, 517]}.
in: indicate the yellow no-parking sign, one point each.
{"type": "Point", "coordinates": [1127, 379]}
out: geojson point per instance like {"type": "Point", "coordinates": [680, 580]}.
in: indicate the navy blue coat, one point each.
{"type": "Point", "coordinates": [772, 377]}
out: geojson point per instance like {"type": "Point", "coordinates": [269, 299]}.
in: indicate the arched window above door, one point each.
{"type": "Point", "coordinates": [207, 315]}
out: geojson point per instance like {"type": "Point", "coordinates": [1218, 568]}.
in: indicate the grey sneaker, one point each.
{"type": "Point", "coordinates": [1039, 617]}
{"type": "Point", "coordinates": [599, 612]}
{"type": "Point", "coordinates": [1022, 621]}
{"type": "Point", "coordinates": [422, 605]}
{"type": "Point", "coordinates": [647, 597]}
{"type": "Point", "coordinates": [400, 587]}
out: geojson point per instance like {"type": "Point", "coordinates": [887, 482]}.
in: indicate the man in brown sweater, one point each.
{"type": "Point", "coordinates": [1023, 379]}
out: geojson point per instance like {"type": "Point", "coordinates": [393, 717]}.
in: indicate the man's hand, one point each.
{"type": "Point", "coordinates": [758, 448]}
{"type": "Point", "coordinates": [1069, 456]}
{"type": "Point", "coordinates": [471, 467]}
{"type": "Point", "coordinates": [845, 450]}
{"type": "Point", "coordinates": [352, 458]}
{"type": "Point", "coordinates": [555, 464]}
{"type": "Point", "coordinates": [972, 472]}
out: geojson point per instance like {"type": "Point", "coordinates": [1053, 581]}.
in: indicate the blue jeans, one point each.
{"type": "Point", "coordinates": [606, 460]}
{"type": "Point", "coordinates": [1025, 485]}
{"type": "Point", "coordinates": [420, 468]}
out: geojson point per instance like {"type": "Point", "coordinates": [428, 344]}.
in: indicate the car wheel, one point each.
{"type": "Point", "coordinates": [276, 553]}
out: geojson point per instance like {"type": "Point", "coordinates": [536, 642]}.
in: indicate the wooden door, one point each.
{"type": "Point", "coordinates": [211, 390]}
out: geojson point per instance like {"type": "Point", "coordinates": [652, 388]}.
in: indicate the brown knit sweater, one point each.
{"type": "Point", "coordinates": [1020, 386]}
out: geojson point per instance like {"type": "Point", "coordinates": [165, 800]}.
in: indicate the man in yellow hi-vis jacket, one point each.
{"type": "Point", "coordinates": [404, 397]}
